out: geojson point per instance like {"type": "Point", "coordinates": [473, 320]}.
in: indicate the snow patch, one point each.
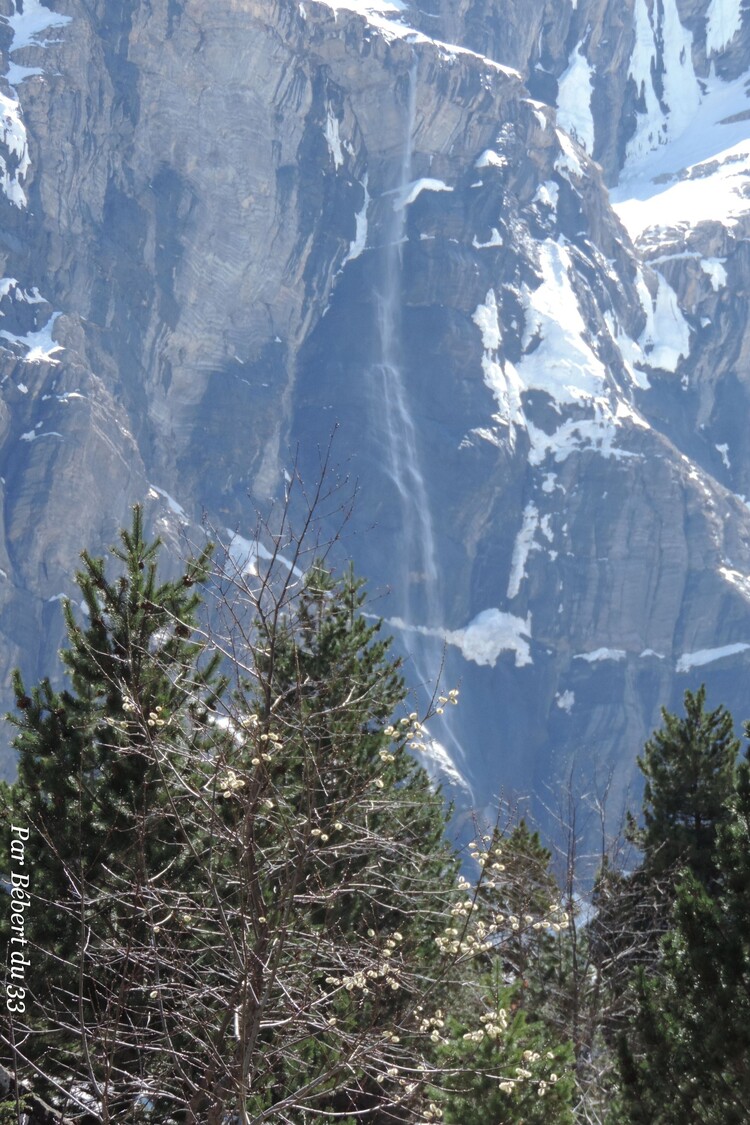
{"type": "Point", "coordinates": [568, 163]}
{"type": "Point", "coordinates": [32, 435]}
{"type": "Point", "coordinates": [735, 578]}
{"type": "Point", "coordinates": [491, 159]}
{"type": "Point", "coordinates": [714, 267]}
{"type": "Point", "coordinates": [630, 351]}
{"type": "Point", "coordinates": [575, 90]}
{"type": "Point", "coordinates": [359, 243]}
{"type": "Point", "coordinates": [177, 509]}
{"type": "Point", "coordinates": [413, 190]}
{"type": "Point", "coordinates": [522, 547]}
{"type": "Point", "coordinates": [28, 27]}
{"type": "Point", "coordinates": [496, 239]}
{"type": "Point", "coordinates": [243, 555]}
{"type": "Point", "coordinates": [723, 21]}
{"type": "Point", "coordinates": [669, 116]}
{"type": "Point", "coordinates": [441, 766]}
{"type": "Point", "coordinates": [700, 174]}
{"type": "Point", "coordinates": [723, 450]}
{"type": "Point", "coordinates": [563, 364]}
{"type": "Point", "coordinates": [14, 138]}
{"type": "Point", "coordinates": [601, 654]}
{"type": "Point", "coordinates": [487, 635]}
{"type": "Point", "coordinates": [41, 347]}
{"type": "Point", "coordinates": [547, 194]}
{"type": "Point", "coordinates": [385, 17]}
{"type": "Point", "coordinates": [565, 701]}
{"type": "Point", "coordinates": [666, 338]}
{"type": "Point", "coordinates": [500, 376]}
{"type": "Point", "coordinates": [708, 655]}
{"type": "Point", "coordinates": [492, 632]}
{"type": "Point", "coordinates": [333, 139]}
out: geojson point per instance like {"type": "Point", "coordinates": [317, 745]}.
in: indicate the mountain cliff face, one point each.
{"type": "Point", "coordinates": [504, 247]}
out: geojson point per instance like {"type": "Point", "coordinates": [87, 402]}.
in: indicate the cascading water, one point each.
{"type": "Point", "coordinates": [421, 615]}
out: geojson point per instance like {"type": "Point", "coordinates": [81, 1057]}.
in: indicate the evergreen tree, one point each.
{"type": "Point", "coordinates": [688, 1058]}
{"type": "Point", "coordinates": [684, 1055]}
{"type": "Point", "coordinates": [90, 779]}
{"type": "Point", "coordinates": [689, 769]}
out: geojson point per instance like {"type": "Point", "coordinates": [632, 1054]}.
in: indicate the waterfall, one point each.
{"type": "Point", "coordinates": [395, 424]}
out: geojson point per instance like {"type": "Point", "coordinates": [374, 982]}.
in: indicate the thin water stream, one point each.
{"type": "Point", "coordinates": [418, 572]}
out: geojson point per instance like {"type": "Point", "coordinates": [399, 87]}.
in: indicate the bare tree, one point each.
{"type": "Point", "coordinates": [257, 915]}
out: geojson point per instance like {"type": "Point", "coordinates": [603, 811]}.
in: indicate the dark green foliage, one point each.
{"type": "Point", "coordinates": [686, 1054]}
{"type": "Point", "coordinates": [89, 780]}
{"type": "Point", "coordinates": [503, 1064]}
{"type": "Point", "coordinates": [689, 769]}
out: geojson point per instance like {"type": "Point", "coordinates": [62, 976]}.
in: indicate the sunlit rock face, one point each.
{"type": "Point", "coordinates": [500, 249]}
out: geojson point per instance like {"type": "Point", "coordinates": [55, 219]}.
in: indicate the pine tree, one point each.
{"type": "Point", "coordinates": [688, 1058]}
{"type": "Point", "coordinates": [89, 778]}
{"type": "Point", "coordinates": [686, 1051]}
{"type": "Point", "coordinates": [689, 769]}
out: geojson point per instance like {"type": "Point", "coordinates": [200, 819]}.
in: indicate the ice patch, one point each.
{"type": "Point", "coordinates": [723, 21]}
{"type": "Point", "coordinates": [522, 547]}
{"type": "Point", "coordinates": [708, 655]}
{"type": "Point", "coordinates": [714, 267]}
{"type": "Point", "coordinates": [575, 90]}
{"type": "Point", "coordinates": [601, 654]}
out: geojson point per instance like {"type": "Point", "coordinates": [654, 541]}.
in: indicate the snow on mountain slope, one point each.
{"type": "Point", "coordinates": [701, 173]}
